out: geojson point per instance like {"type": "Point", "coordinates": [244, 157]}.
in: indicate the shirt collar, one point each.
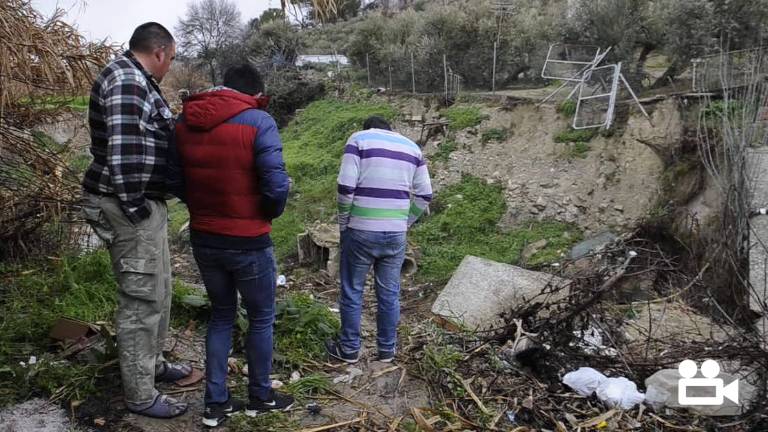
{"type": "Point", "coordinates": [132, 58]}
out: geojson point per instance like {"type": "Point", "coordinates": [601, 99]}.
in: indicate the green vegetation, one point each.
{"type": "Point", "coordinates": [576, 135]}
{"type": "Point", "coordinates": [577, 150]}
{"type": "Point", "coordinates": [463, 117]}
{"type": "Point", "coordinates": [187, 304]}
{"type": "Point", "coordinates": [178, 215]}
{"type": "Point", "coordinates": [77, 103]}
{"type": "Point", "coordinates": [274, 421]}
{"type": "Point", "coordinates": [465, 222]}
{"type": "Point", "coordinates": [309, 386]}
{"type": "Point", "coordinates": [444, 150]}
{"type": "Point", "coordinates": [312, 146]}
{"type": "Point", "coordinates": [567, 107]}
{"type": "Point", "coordinates": [493, 135]}
{"type": "Point", "coordinates": [303, 324]}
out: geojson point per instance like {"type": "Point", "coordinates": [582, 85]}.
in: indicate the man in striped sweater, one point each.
{"type": "Point", "coordinates": [383, 188]}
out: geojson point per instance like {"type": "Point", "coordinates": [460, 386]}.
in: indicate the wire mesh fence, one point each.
{"type": "Point", "coordinates": [731, 69]}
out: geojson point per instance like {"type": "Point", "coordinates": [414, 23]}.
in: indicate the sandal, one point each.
{"type": "Point", "coordinates": [163, 407]}
{"type": "Point", "coordinates": [172, 372]}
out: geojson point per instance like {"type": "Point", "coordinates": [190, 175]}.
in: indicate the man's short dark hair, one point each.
{"type": "Point", "coordinates": [244, 78]}
{"type": "Point", "coordinates": [149, 37]}
{"type": "Point", "coordinates": [376, 122]}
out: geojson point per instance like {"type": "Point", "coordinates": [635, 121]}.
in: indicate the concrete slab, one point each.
{"type": "Point", "coordinates": [481, 290]}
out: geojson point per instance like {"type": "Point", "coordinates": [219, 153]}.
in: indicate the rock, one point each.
{"type": "Point", "coordinates": [662, 391]}
{"type": "Point", "coordinates": [481, 290]}
{"type": "Point", "coordinates": [670, 323]}
{"type": "Point", "coordinates": [762, 330]}
{"type": "Point", "coordinates": [534, 248]}
{"type": "Point", "coordinates": [591, 245]}
{"type": "Point", "coordinates": [540, 204]}
{"type": "Point", "coordinates": [635, 288]}
{"type": "Point", "coordinates": [758, 260]}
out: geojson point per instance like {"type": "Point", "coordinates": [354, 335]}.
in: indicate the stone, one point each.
{"type": "Point", "coordinates": [34, 415]}
{"type": "Point", "coordinates": [635, 288]}
{"type": "Point", "coordinates": [758, 262]}
{"type": "Point", "coordinates": [663, 386]}
{"type": "Point", "coordinates": [593, 244]}
{"type": "Point", "coordinates": [534, 248]}
{"type": "Point", "coordinates": [481, 290]}
{"type": "Point", "coordinates": [762, 331]}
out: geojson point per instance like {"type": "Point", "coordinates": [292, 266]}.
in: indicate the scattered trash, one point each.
{"type": "Point", "coordinates": [32, 360]}
{"type": "Point", "coordinates": [614, 392]}
{"type": "Point", "coordinates": [584, 380]}
{"type": "Point", "coordinates": [234, 367]}
{"type": "Point", "coordinates": [99, 422]}
{"type": "Point", "coordinates": [314, 408]}
{"type": "Point", "coordinates": [511, 416]}
{"type": "Point", "coordinates": [295, 376]}
{"type": "Point", "coordinates": [632, 254]}
{"type": "Point", "coordinates": [591, 341]}
{"type": "Point", "coordinates": [619, 393]}
{"type": "Point", "coordinates": [352, 373]}
{"type": "Point", "coordinates": [276, 384]}
{"type": "Point", "coordinates": [245, 370]}
{"type": "Point", "coordinates": [334, 310]}
{"type": "Point", "coordinates": [281, 280]}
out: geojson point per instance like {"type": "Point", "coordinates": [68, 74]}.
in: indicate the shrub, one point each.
{"type": "Point", "coordinates": [463, 117]}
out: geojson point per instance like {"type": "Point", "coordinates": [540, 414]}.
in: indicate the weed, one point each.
{"type": "Point", "coordinates": [270, 422]}
{"type": "Point", "coordinates": [495, 134]}
{"type": "Point", "coordinates": [77, 103]}
{"type": "Point", "coordinates": [567, 107]}
{"type": "Point", "coordinates": [720, 109]}
{"type": "Point", "coordinates": [576, 135]}
{"type": "Point", "coordinates": [312, 146]}
{"type": "Point", "coordinates": [463, 117]}
{"type": "Point", "coordinates": [187, 304]}
{"type": "Point", "coordinates": [576, 150]}
{"type": "Point", "coordinates": [309, 386]}
{"type": "Point", "coordinates": [303, 324]}
{"type": "Point", "coordinates": [178, 215]}
{"type": "Point", "coordinates": [444, 150]}
{"type": "Point", "coordinates": [464, 222]}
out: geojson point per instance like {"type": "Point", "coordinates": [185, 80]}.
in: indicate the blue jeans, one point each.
{"type": "Point", "coordinates": [360, 250]}
{"type": "Point", "coordinates": [252, 274]}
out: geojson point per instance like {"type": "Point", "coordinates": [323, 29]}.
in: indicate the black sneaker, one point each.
{"type": "Point", "coordinates": [216, 413]}
{"type": "Point", "coordinates": [334, 350]}
{"type": "Point", "coordinates": [277, 402]}
{"type": "Point", "coordinates": [386, 356]}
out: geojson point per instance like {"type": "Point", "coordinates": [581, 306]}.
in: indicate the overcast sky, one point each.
{"type": "Point", "coordinates": [116, 19]}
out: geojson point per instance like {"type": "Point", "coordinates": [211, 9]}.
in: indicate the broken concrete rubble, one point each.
{"type": "Point", "coordinates": [662, 391]}
{"type": "Point", "coordinates": [319, 245]}
{"type": "Point", "coordinates": [591, 245]}
{"type": "Point", "coordinates": [481, 290]}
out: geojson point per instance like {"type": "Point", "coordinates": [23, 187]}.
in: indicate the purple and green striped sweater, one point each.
{"type": "Point", "coordinates": [383, 183]}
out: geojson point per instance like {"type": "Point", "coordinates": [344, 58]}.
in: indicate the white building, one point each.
{"type": "Point", "coordinates": [331, 59]}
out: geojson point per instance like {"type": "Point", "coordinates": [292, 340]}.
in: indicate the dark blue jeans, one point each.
{"type": "Point", "coordinates": [252, 274]}
{"type": "Point", "coordinates": [360, 250]}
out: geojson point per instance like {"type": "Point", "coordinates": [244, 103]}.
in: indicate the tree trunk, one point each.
{"type": "Point", "coordinates": [670, 74]}
{"type": "Point", "coordinates": [640, 67]}
{"type": "Point", "coordinates": [212, 71]}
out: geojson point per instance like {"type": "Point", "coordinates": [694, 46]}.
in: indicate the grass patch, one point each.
{"type": "Point", "coordinates": [465, 222]}
{"type": "Point", "coordinates": [312, 147]}
{"type": "Point", "coordinates": [493, 135]}
{"type": "Point", "coordinates": [302, 326]}
{"type": "Point", "coordinates": [463, 117]}
{"type": "Point", "coordinates": [187, 304]}
{"type": "Point", "coordinates": [444, 150]}
{"type": "Point", "coordinates": [178, 215]}
{"type": "Point", "coordinates": [576, 150]}
{"type": "Point", "coordinates": [567, 107]}
{"type": "Point", "coordinates": [309, 386]}
{"type": "Point", "coordinates": [576, 135]}
{"type": "Point", "coordinates": [269, 422]}
{"type": "Point", "coordinates": [32, 300]}
{"type": "Point", "coordinates": [77, 103]}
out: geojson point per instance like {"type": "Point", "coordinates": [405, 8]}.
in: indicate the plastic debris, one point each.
{"type": "Point", "coordinates": [619, 393]}
{"type": "Point", "coordinates": [295, 376]}
{"type": "Point", "coordinates": [281, 280]}
{"type": "Point", "coordinates": [276, 384]}
{"type": "Point", "coordinates": [584, 380]}
{"type": "Point", "coordinates": [352, 373]}
{"type": "Point", "coordinates": [511, 416]}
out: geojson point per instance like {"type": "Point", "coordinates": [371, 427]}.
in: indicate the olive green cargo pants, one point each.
{"type": "Point", "coordinates": [141, 264]}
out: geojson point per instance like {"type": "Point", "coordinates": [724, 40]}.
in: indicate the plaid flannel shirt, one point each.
{"type": "Point", "coordinates": [130, 127]}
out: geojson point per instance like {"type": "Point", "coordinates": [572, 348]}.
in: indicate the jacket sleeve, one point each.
{"type": "Point", "coordinates": [270, 168]}
{"type": "Point", "coordinates": [422, 192]}
{"type": "Point", "coordinates": [347, 182]}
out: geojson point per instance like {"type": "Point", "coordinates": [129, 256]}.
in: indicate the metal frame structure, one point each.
{"type": "Point", "coordinates": [504, 7]}
{"type": "Point", "coordinates": [725, 64]}
{"type": "Point", "coordinates": [596, 58]}
{"type": "Point", "coordinates": [611, 95]}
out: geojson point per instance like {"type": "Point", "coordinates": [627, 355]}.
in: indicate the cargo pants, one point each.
{"type": "Point", "coordinates": [141, 264]}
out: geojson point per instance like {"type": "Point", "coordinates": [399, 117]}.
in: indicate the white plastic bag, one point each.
{"type": "Point", "coordinates": [619, 392]}
{"type": "Point", "coordinates": [584, 380]}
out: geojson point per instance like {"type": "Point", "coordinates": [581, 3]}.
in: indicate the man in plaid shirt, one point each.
{"type": "Point", "coordinates": [123, 191]}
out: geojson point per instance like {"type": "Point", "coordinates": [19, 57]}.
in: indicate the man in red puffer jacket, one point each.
{"type": "Point", "coordinates": [226, 164]}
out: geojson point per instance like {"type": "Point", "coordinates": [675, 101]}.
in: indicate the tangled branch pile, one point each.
{"type": "Point", "coordinates": [43, 63]}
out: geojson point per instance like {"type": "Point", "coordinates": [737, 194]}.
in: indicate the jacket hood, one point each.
{"type": "Point", "coordinates": [205, 111]}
